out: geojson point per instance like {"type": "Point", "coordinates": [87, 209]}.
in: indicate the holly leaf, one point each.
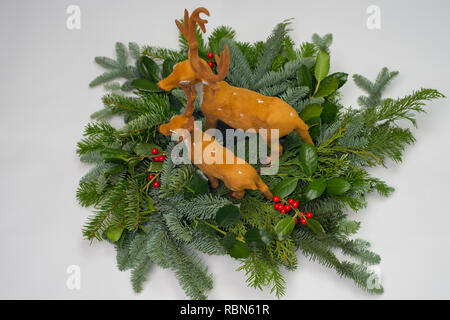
{"type": "Point", "coordinates": [145, 149]}
{"type": "Point", "coordinates": [322, 66]}
{"type": "Point", "coordinates": [148, 68]}
{"type": "Point", "coordinates": [338, 186]}
{"type": "Point", "coordinates": [145, 85]}
{"type": "Point", "coordinates": [315, 226]}
{"type": "Point", "coordinates": [167, 67]}
{"type": "Point", "coordinates": [240, 250]}
{"type": "Point", "coordinates": [315, 189]}
{"type": "Point", "coordinates": [114, 232]}
{"type": "Point", "coordinates": [329, 112]}
{"type": "Point", "coordinates": [284, 228]}
{"type": "Point", "coordinates": [304, 77]}
{"type": "Point", "coordinates": [227, 215]}
{"type": "Point", "coordinates": [308, 158]}
{"type": "Point", "coordinates": [155, 166]}
{"type": "Point", "coordinates": [285, 187]}
{"type": "Point", "coordinates": [341, 76]}
{"type": "Point", "coordinates": [132, 164]}
{"type": "Point", "coordinates": [110, 155]}
{"type": "Point", "coordinates": [195, 187]}
{"type": "Point", "coordinates": [228, 241]}
{"type": "Point", "coordinates": [327, 87]}
{"type": "Point", "coordinates": [258, 237]}
{"type": "Point", "coordinates": [311, 111]}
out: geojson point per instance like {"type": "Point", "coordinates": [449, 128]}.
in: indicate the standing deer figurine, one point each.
{"type": "Point", "coordinates": [216, 161]}
{"type": "Point", "coordinates": [238, 107]}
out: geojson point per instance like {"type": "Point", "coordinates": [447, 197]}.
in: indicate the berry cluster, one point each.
{"type": "Point", "coordinates": [210, 63]}
{"type": "Point", "coordinates": [160, 158]}
{"type": "Point", "coordinates": [155, 183]}
{"type": "Point", "coordinates": [285, 206]}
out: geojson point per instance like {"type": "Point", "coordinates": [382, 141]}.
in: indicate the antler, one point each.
{"type": "Point", "coordinates": [188, 30]}
{"type": "Point", "coordinates": [189, 91]}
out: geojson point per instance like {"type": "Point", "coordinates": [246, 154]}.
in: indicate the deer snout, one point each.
{"type": "Point", "coordinates": [164, 129]}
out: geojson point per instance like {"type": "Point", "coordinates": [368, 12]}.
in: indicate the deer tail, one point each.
{"type": "Point", "coordinates": [302, 131]}
{"type": "Point", "coordinates": [263, 188]}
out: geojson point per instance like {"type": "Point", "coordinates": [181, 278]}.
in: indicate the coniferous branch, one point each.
{"type": "Point", "coordinates": [117, 68]}
{"type": "Point", "coordinates": [321, 43]}
{"type": "Point", "coordinates": [219, 33]}
{"type": "Point", "coordinates": [271, 48]}
{"type": "Point", "coordinates": [374, 90]}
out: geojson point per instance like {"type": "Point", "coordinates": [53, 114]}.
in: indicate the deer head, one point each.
{"type": "Point", "coordinates": [195, 69]}
{"type": "Point", "coordinates": [184, 121]}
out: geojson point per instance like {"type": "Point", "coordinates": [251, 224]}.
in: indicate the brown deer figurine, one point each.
{"type": "Point", "coordinates": [238, 107]}
{"type": "Point", "coordinates": [237, 174]}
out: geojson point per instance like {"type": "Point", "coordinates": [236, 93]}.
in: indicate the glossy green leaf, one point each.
{"type": "Point", "coordinates": [338, 186]}
{"type": "Point", "coordinates": [145, 149]}
{"type": "Point", "coordinates": [155, 166]}
{"type": "Point", "coordinates": [132, 164]}
{"type": "Point", "coordinates": [329, 112]}
{"type": "Point", "coordinates": [240, 250]}
{"type": "Point", "coordinates": [311, 111]}
{"type": "Point", "coordinates": [167, 67]}
{"type": "Point", "coordinates": [304, 77]}
{"type": "Point", "coordinates": [285, 187]}
{"type": "Point", "coordinates": [114, 232]}
{"type": "Point", "coordinates": [315, 226]}
{"type": "Point", "coordinates": [228, 241]}
{"type": "Point", "coordinates": [227, 215]}
{"type": "Point", "coordinates": [258, 237]}
{"type": "Point", "coordinates": [341, 76]}
{"type": "Point", "coordinates": [109, 154]}
{"type": "Point", "coordinates": [284, 228]}
{"type": "Point", "coordinates": [327, 87]}
{"type": "Point", "coordinates": [315, 189]}
{"type": "Point", "coordinates": [196, 186]}
{"type": "Point", "coordinates": [144, 84]}
{"type": "Point", "coordinates": [322, 65]}
{"type": "Point", "coordinates": [308, 158]}
{"type": "Point", "coordinates": [148, 68]}
{"type": "Point", "coordinates": [115, 170]}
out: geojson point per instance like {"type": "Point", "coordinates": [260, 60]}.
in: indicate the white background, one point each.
{"type": "Point", "coordinates": [45, 103]}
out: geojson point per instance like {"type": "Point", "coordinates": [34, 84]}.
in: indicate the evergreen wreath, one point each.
{"type": "Point", "coordinates": [156, 212]}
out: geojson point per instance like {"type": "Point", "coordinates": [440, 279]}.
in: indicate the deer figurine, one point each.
{"type": "Point", "coordinates": [237, 174]}
{"type": "Point", "coordinates": [238, 107]}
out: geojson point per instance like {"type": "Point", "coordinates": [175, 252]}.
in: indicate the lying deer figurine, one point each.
{"type": "Point", "coordinates": [237, 174]}
{"type": "Point", "coordinates": [238, 107]}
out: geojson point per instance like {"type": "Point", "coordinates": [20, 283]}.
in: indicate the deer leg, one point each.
{"type": "Point", "coordinates": [268, 140]}
{"type": "Point", "coordinates": [214, 182]}
{"type": "Point", "coordinates": [210, 123]}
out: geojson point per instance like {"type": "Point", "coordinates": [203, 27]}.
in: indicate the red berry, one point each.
{"type": "Point", "coordinates": [295, 219]}
{"type": "Point", "coordinates": [279, 206]}
{"type": "Point", "coordinates": [156, 184]}
{"type": "Point", "coordinates": [276, 206]}
{"type": "Point", "coordinates": [156, 159]}
{"type": "Point", "coordinates": [276, 199]}
{"type": "Point", "coordinates": [295, 204]}
{"type": "Point", "coordinates": [211, 64]}
{"type": "Point", "coordinates": [303, 221]}
{"type": "Point", "coordinates": [210, 55]}
{"type": "Point", "coordinates": [155, 151]}
{"type": "Point", "coordinates": [287, 208]}
{"type": "Point", "coordinates": [283, 211]}
{"type": "Point", "coordinates": [162, 158]}
{"type": "Point", "coordinates": [309, 215]}
{"type": "Point", "coordinates": [150, 177]}
{"type": "Point", "coordinates": [291, 201]}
